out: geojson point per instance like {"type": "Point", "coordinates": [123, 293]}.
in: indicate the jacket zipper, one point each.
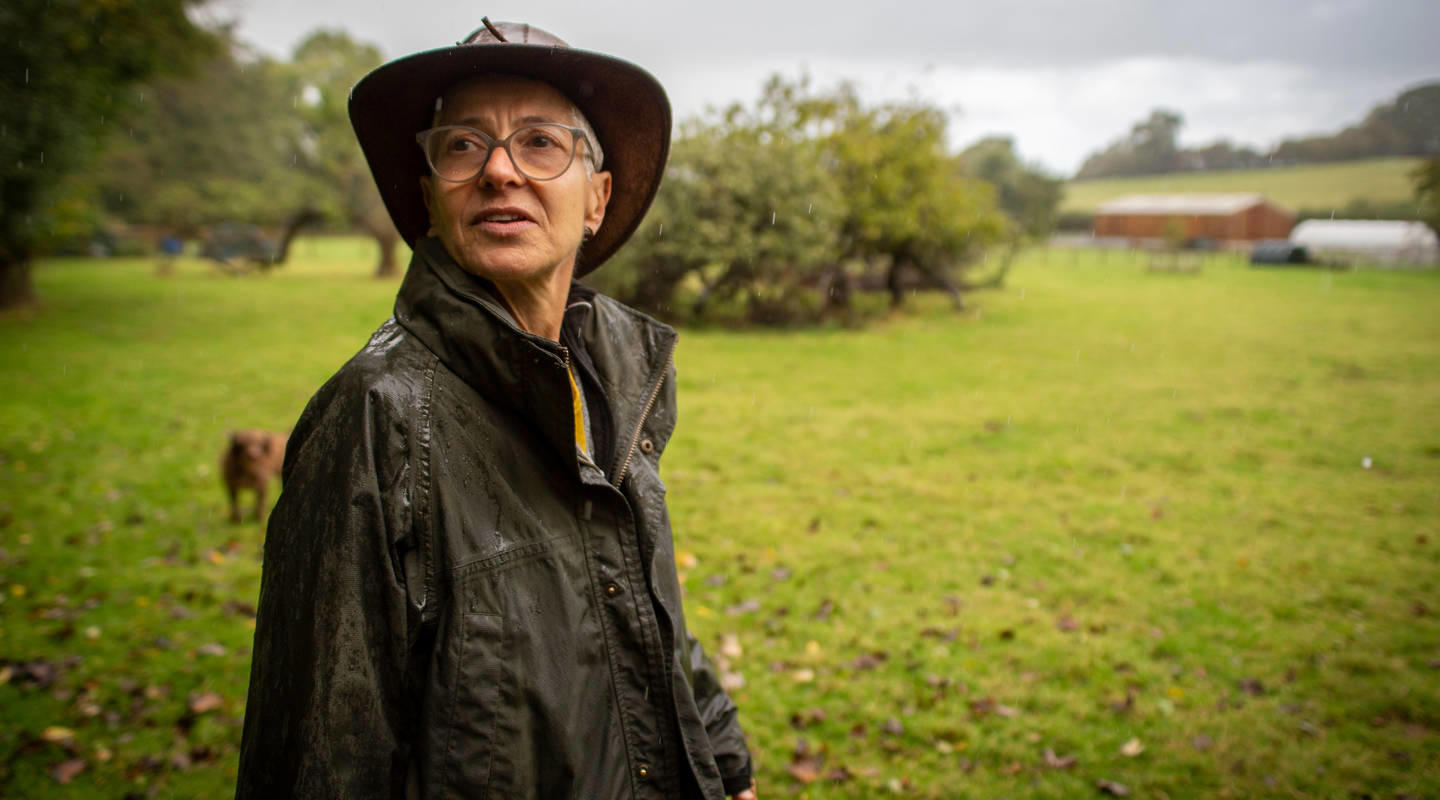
{"type": "Point", "coordinates": [644, 414]}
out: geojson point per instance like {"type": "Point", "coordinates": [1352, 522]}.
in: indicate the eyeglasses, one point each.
{"type": "Point", "coordinates": [541, 152]}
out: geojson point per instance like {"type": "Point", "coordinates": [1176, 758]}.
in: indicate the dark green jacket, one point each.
{"type": "Point", "coordinates": [453, 604]}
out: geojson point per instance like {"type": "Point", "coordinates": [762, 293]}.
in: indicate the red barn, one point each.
{"type": "Point", "coordinates": [1222, 217]}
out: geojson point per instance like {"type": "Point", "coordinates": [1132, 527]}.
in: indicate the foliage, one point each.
{"type": "Point", "coordinates": [1029, 196]}
{"type": "Point", "coordinates": [324, 67]}
{"type": "Point", "coordinates": [1407, 126]}
{"type": "Point", "coordinates": [877, 187]}
{"type": "Point", "coordinates": [743, 210]}
{"type": "Point", "coordinates": [933, 549]}
{"type": "Point", "coordinates": [1149, 149]}
{"type": "Point", "coordinates": [1427, 191]}
{"type": "Point", "coordinates": [214, 146]}
{"type": "Point", "coordinates": [66, 72]}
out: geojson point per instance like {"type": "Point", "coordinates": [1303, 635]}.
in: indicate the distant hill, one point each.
{"type": "Point", "coordinates": [1407, 126]}
{"type": "Point", "coordinates": [1381, 183]}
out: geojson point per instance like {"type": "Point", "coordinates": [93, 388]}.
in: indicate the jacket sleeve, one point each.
{"type": "Point", "coordinates": [721, 718]}
{"type": "Point", "coordinates": [329, 713]}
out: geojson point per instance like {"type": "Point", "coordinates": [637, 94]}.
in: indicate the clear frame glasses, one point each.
{"type": "Point", "coordinates": [541, 152]}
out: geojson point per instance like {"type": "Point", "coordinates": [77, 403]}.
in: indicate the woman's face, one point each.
{"type": "Point", "coordinates": [501, 225]}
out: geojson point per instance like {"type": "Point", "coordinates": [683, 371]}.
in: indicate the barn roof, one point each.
{"type": "Point", "coordinates": [1170, 204]}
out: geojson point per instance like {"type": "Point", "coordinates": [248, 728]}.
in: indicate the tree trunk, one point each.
{"type": "Point", "coordinates": [894, 284]}
{"type": "Point", "coordinates": [939, 278]}
{"type": "Point", "coordinates": [305, 217]}
{"type": "Point", "coordinates": [386, 239]}
{"type": "Point", "coordinates": [16, 288]}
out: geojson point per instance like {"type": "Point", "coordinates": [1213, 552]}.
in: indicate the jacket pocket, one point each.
{"type": "Point", "coordinates": [475, 703]}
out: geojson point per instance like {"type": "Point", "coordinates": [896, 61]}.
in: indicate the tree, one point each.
{"type": "Point", "coordinates": [1029, 196]}
{"type": "Point", "coordinates": [744, 211]}
{"type": "Point", "coordinates": [1427, 191]}
{"type": "Point", "coordinates": [65, 73]}
{"type": "Point", "coordinates": [324, 67]}
{"type": "Point", "coordinates": [1407, 126]}
{"type": "Point", "coordinates": [908, 201]}
{"type": "Point", "coordinates": [217, 145]}
{"type": "Point", "coordinates": [1150, 148]}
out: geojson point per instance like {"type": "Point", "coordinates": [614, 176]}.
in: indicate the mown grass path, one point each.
{"type": "Point", "coordinates": [1122, 517]}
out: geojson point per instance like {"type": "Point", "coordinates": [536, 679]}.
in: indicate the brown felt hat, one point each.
{"type": "Point", "coordinates": [625, 105]}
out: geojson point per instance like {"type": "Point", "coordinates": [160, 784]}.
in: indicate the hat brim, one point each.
{"type": "Point", "coordinates": [625, 105]}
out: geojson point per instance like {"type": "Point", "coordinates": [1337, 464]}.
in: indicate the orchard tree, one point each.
{"type": "Point", "coordinates": [743, 212]}
{"type": "Point", "coordinates": [219, 144]}
{"type": "Point", "coordinates": [324, 68]}
{"type": "Point", "coordinates": [67, 70]}
{"type": "Point", "coordinates": [1027, 195]}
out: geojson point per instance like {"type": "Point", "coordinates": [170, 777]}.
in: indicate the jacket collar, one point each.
{"type": "Point", "coordinates": [456, 316]}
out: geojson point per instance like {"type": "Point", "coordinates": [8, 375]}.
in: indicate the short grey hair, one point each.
{"type": "Point", "coordinates": [594, 153]}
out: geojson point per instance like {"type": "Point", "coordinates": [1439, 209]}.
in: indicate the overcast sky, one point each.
{"type": "Point", "coordinates": [1062, 77]}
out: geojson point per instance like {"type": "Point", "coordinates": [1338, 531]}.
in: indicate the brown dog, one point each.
{"type": "Point", "coordinates": [250, 459]}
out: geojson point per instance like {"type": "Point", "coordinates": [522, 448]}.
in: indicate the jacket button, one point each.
{"type": "Point", "coordinates": [643, 771]}
{"type": "Point", "coordinates": [612, 589]}
{"type": "Point", "coordinates": [646, 446]}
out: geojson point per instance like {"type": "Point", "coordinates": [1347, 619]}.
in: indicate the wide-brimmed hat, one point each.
{"type": "Point", "coordinates": [625, 105]}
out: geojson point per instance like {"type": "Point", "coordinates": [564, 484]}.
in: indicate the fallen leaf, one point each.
{"type": "Point", "coordinates": [1252, 686]}
{"type": "Point", "coordinates": [1202, 742]}
{"type": "Point", "coordinates": [212, 649]}
{"type": "Point", "coordinates": [987, 705]}
{"type": "Point", "coordinates": [65, 771]}
{"type": "Point", "coordinates": [1058, 762]}
{"type": "Point", "coordinates": [866, 661]}
{"type": "Point", "coordinates": [55, 733]}
{"type": "Point", "coordinates": [686, 560]}
{"type": "Point", "coordinates": [732, 681]}
{"type": "Point", "coordinates": [730, 646]}
{"type": "Point", "coordinates": [1112, 788]}
{"type": "Point", "coordinates": [803, 675]}
{"type": "Point", "coordinates": [893, 726]}
{"type": "Point", "coordinates": [840, 774]}
{"type": "Point", "coordinates": [1132, 748]}
{"type": "Point", "coordinates": [827, 607]}
{"type": "Point", "coordinates": [743, 608]}
{"type": "Point", "coordinates": [804, 719]}
{"type": "Point", "coordinates": [201, 702]}
{"type": "Point", "coordinates": [780, 573]}
{"type": "Point", "coordinates": [806, 764]}
{"type": "Point", "coordinates": [1067, 623]}
{"type": "Point", "coordinates": [215, 557]}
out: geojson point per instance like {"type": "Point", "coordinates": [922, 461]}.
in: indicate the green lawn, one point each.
{"type": "Point", "coordinates": [1104, 505]}
{"type": "Point", "coordinates": [1382, 181]}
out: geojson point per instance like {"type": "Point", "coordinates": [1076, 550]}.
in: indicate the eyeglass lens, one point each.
{"type": "Point", "coordinates": [540, 151]}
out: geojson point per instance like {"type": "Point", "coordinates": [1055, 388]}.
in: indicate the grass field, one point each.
{"type": "Point", "coordinates": [1176, 532]}
{"type": "Point", "coordinates": [1382, 181]}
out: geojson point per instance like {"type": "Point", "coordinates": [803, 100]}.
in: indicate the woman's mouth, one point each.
{"type": "Point", "coordinates": [505, 222]}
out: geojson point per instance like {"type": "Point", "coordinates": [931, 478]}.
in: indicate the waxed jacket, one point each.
{"type": "Point", "coordinates": [455, 602]}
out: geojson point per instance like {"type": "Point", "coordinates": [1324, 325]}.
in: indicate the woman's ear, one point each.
{"type": "Point", "coordinates": [597, 197]}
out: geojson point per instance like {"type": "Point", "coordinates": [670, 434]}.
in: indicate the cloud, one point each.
{"type": "Point", "coordinates": [1062, 77]}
